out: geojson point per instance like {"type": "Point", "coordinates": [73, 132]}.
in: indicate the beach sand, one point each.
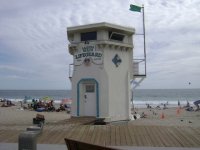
{"type": "Point", "coordinates": [57, 127]}
{"type": "Point", "coordinates": [15, 116]}
{"type": "Point", "coordinates": [168, 117]}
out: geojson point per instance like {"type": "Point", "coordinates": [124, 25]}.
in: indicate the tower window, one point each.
{"type": "Point", "coordinates": [90, 88]}
{"type": "Point", "coordinates": [87, 36]}
{"type": "Point", "coordinates": [116, 36]}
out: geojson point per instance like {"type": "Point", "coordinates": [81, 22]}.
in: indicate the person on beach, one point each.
{"type": "Point", "coordinates": [148, 106]}
{"type": "Point", "coordinates": [188, 104]}
{"type": "Point", "coordinates": [165, 107]}
{"type": "Point", "coordinates": [188, 107]}
{"type": "Point", "coordinates": [179, 104]}
{"type": "Point", "coordinates": [158, 107]}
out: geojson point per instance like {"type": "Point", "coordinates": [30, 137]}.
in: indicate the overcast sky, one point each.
{"type": "Point", "coordinates": [33, 40]}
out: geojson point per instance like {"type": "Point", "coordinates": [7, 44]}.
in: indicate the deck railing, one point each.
{"type": "Point", "coordinates": [139, 68]}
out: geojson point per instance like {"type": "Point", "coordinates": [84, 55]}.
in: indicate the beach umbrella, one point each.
{"type": "Point", "coordinates": [66, 101]}
{"type": "Point", "coordinates": [47, 98]}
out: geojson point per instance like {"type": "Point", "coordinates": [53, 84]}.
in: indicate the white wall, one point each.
{"type": "Point", "coordinates": [118, 78]}
{"type": "Point", "coordinates": [94, 72]}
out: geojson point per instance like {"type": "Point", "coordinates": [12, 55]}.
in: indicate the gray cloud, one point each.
{"type": "Point", "coordinates": [33, 40]}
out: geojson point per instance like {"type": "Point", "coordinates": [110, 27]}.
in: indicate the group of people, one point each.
{"type": "Point", "coordinates": [6, 103]}
{"type": "Point", "coordinates": [39, 105]}
{"type": "Point", "coordinates": [188, 107]}
{"type": "Point", "coordinates": [158, 107]}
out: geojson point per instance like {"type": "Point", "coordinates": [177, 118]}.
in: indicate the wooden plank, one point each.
{"type": "Point", "coordinates": [98, 135]}
{"type": "Point", "coordinates": [103, 135]}
{"type": "Point", "coordinates": [122, 135]}
{"type": "Point", "coordinates": [113, 136]}
{"type": "Point", "coordinates": [61, 137]}
{"type": "Point", "coordinates": [42, 138]}
{"type": "Point", "coordinates": [173, 133]}
{"type": "Point", "coordinates": [76, 132]}
{"type": "Point", "coordinates": [15, 138]}
{"type": "Point", "coordinates": [108, 135]}
{"type": "Point", "coordinates": [127, 135]}
{"type": "Point", "coordinates": [189, 138]}
{"type": "Point", "coordinates": [162, 137]}
{"type": "Point", "coordinates": [117, 136]}
{"type": "Point", "coordinates": [49, 128]}
{"type": "Point", "coordinates": [194, 134]}
{"type": "Point", "coordinates": [183, 140]}
{"type": "Point", "coordinates": [147, 137]}
{"type": "Point", "coordinates": [168, 139]}
{"type": "Point", "coordinates": [52, 137]}
{"type": "Point", "coordinates": [4, 135]}
{"type": "Point", "coordinates": [183, 137]}
{"type": "Point", "coordinates": [143, 136]}
{"type": "Point", "coordinates": [138, 136]}
{"type": "Point", "coordinates": [173, 138]}
{"type": "Point", "coordinates": [160, 130]}
{"type": "Point", "coordinates": [71, 132]}
{"type": "Point", "coordinates": [152, 137]}
{"type": "Point", "coordinates": [132, 135]}
{"type": "Point", "coordinates": [89, 134]}
{"type": "Point", "coordinates": [80, 130]}
{"type": "Point", "coordinates": [10, 136]}
{"type": "Point", "coordinates": [84, 135]}
{"type": "Point", "coordinates": [45, 136]}
{"type": "Point", "coordinates": [155, 136]}
{"type": "Point", "coordinates": [1, 133]}
{"type": "Point", "coordinates": [94, 135]}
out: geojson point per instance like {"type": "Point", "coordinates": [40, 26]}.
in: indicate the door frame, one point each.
{"type": "Point", "coordinates": [97, 94]}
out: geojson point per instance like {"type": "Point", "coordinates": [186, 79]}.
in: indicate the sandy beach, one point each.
{"type": "Point", "coordinates": [168, 117]}
{"type": "Point", "coordinates": [15, 116]}
{"type": "Point", "coordinates": [57, 126]}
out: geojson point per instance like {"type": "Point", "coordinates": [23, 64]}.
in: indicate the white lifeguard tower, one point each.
{"type": "Point", "coordinates": [102, 70]}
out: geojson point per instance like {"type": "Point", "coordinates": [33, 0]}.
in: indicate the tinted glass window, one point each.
{"type": "Point", "coordinates": [116, 36]}
{"type": "Point", "coordinates": [88, 36]}
{"type": "Point", "coordinates": [90, 88]}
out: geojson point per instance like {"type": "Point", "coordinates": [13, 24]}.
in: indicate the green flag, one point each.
{"type": "Point", "coordinates": [135, 8]}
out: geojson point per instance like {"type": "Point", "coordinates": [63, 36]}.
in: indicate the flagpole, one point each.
{"type": "Point", "coordinates": [144, 38]}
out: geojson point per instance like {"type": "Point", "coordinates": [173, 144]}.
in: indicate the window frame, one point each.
{"type": "Point", "coordinates": [111, 33]}
{"type": "Point", "coordinates": [87, 36]}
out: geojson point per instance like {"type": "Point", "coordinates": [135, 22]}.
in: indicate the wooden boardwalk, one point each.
{"type": "Point", "coordinates": [114, 135]}
{"type": "Point", "coordinates": [121, 135]}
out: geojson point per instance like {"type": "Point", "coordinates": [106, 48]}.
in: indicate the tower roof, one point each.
{"type": "Point", "coordinates": [100, 26]}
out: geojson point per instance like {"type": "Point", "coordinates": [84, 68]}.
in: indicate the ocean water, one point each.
{"type": "Point", "coordinates": [37, 94]}
{"type": "Point", "coordinates": [154, 97]}
{"type": "Point", "coordinates": [141, 97]}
